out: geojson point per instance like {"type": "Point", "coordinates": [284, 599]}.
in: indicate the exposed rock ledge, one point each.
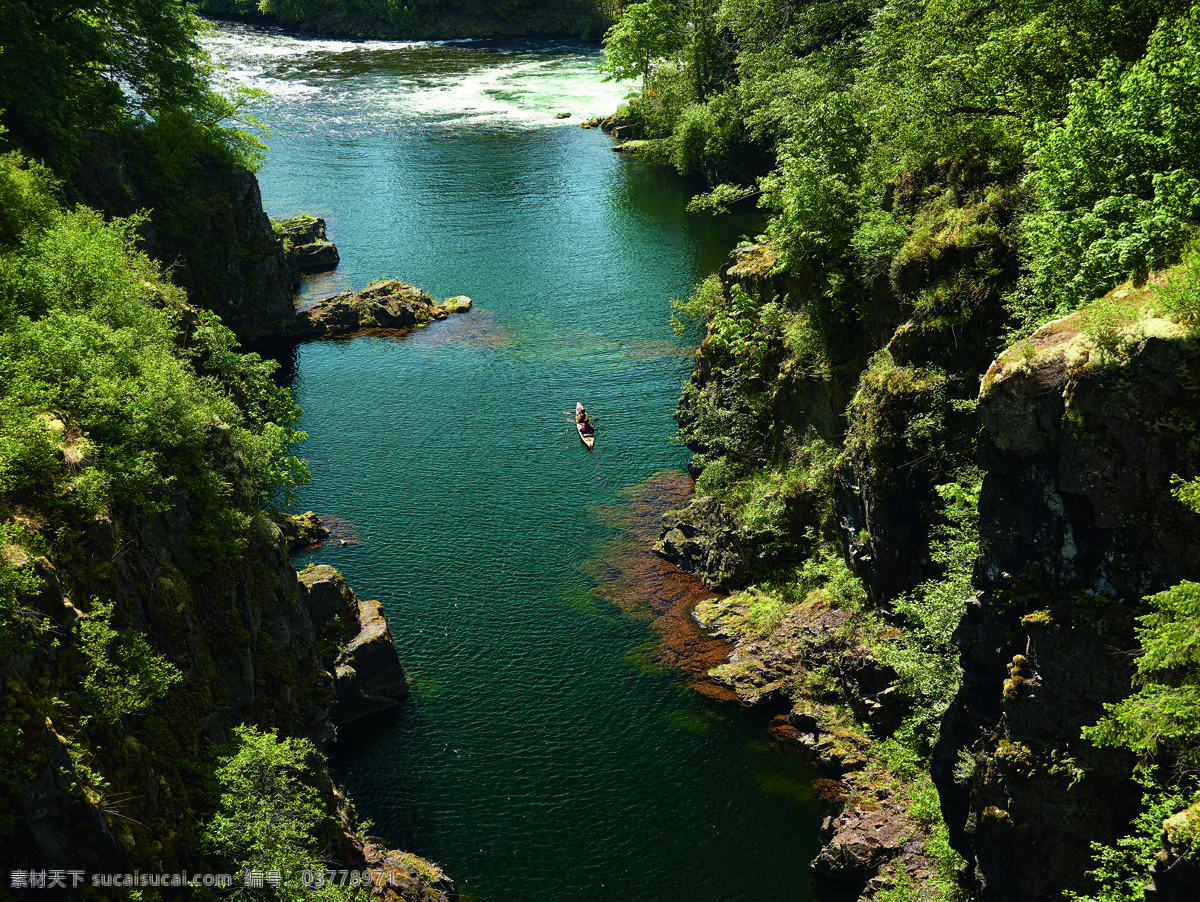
{"type": "Point", "coordinates": [310, 248]}
{"type": "Point", "coordinates": [367, 676]}
{"type": "Point", "coordinates": [384, 304]}
{"type": "Point", "coordinates": [302, 531]}
{"type": "Point", "coordinates": [702, 539]}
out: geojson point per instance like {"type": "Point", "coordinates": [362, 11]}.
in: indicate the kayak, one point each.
{"type": "Point", "coordinates": [588, 438]}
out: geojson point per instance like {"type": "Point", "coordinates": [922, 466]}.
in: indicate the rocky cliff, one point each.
{"type": "Point", "coordinates": [229, 258]}
{"type": "Point", "coordinates": [210, 232]}
{"type": "Point", "coordinates": [1078, 429]}
{"type": "Point", "coordinates": [253, 641]}
{"type": "Point", "coordinates": [1082, 429]}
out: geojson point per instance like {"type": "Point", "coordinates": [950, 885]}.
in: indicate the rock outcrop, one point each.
{"type": "Point", "coordinates": [312, 250]}
{"type": "Point", "coordinates": [228, 256]}
{"type": "Point", "coordinates": [1081, 435]}
{"type": "Point", "coordinates": [252, 641]}
{"type": "Point", "coordinates": [384, 304]}
{"type": "Point", "coordinates": [864, 840]}
{"type": "Point", "coordinates": [302, 531]}
{"type": "Point", "coordinates": [1175, 876]}
{"type": "Point", "coordinates": [702, 539]}
{"type": "Point", "coordinates": [367, 676]}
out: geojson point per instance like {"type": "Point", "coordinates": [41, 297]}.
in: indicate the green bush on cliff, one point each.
{"type": "Point", "coordinates": [924, 654]}
{"type": "Point", "coordinates": [1120, 870]}
{"type": "Point", "coordinates": [1163, 715]}
{"type": "Point", "coordinates": [1118, 184]}
{"type": "Point", "coordinates": [98, 400]}
{"type": "Point", "coordinates": [125, 673]}
{"type": "Point", "coordinates": [270, 817]}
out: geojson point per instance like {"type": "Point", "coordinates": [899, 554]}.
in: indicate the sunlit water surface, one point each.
{"type": "Point", "coordinates": [539, 757]}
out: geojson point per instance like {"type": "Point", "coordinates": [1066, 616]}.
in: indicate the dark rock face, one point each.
{"type": "Point", "coordinates": [368, 677]}
{"type": "Point", "coordinates": [883, 536]}
{"type": "Point", "coordinates": [1077, 524]}
{"type": "Point", "coordinates": [66, 830]}
{"type": "Point", "coordinates": [312, 250]}
{"type": "Point", "coordinates": [252, 641]}
{"type": "Point", "coordinates": [702, 539]}
{"type": "Point", "coordinates": [103, 180]}
{"type": "Point", "coordinates": [233, 262]}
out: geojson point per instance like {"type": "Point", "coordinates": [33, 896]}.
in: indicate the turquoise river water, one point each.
{"type": "Point", "coordinates": [541, 755]}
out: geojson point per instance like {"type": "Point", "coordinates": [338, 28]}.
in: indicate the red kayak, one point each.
{"type": "Point", "coordinates": [587, 434]}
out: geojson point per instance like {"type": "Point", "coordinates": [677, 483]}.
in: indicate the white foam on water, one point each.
{"type": "Point", "coordinates": [279, 45]}
{"type": "Point", "coordinates": [529, 92]}
{"type": "Point", "coordinates": [509, 88]}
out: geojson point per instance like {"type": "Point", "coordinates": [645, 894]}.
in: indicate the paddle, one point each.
{"type": "Point", "coordinates": [567, 413]}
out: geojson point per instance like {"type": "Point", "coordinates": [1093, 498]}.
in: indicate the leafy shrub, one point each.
{"type": "Point", "coordinates": [103, 361]}
{"type": "Point", "coordinates": [125, 673]}
{"type": "Point", "coordinates": [1117, 186]}
{"type": "Point", "coordinates": [1164, 714]}
{"type": "Point", "coordinates": [270, 816]}
{"type": "Point", "coordinates": [924, 654]}
{"type": "Point", "coordinates": [1120, 869]}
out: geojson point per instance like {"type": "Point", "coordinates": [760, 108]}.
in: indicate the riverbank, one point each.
{"type": "Point", "coordinates": [888, 677]}
{"type": "Point", "coordinates": [445, 22]}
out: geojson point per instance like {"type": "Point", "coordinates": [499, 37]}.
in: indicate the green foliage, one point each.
{"type": "Point", "coordinates": [1187, 492]}
{"type": "Point", "coordinates": [125, 673]}
{"type": "Point", "coordinates": [1181, 293]}
{"type": "Point", "coordinates": [705, 299]}
{"type": "Point", "coordinates": [645, 33]}
{"type": "Point", "coordinates": [1164, 713]}
{"type": "Point", "coordinates": [767, 501]}
{"type": "Point", "coordinates": [270, 816]}
{"type": "Point", "coordinates": [98, 400]}
{"type": "Point", "coordinates": [733, 327]}
{"type": "Point", "coordinates": [924, 654]}
{"type": "Point", "coordinates": [18, 545]}
{"type": "Point", "coordinates": [904, 413]}
{"type": "Point", "coordinates": [68, 65]}
{"type": "Point", "coordinates": [1120, 870]}
{"type": "Point", "coordinates": [814, 190]}
{"type": "Point", "coordinates": [1117, 186]}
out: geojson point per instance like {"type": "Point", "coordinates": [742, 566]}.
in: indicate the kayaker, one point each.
{"type": "Point", "coordinates": [584, 422]}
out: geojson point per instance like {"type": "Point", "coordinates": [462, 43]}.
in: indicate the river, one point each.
{"type": "Point", "coordinates": [543, 753]}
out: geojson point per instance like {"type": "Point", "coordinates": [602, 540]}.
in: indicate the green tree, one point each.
{"type": "Point", "coordinates": [72, 63]}
{"type": "Point", "coordinates": [270, 816]}
{"type": "Point", "coordinates": [645, 34]}
{"type": "Point", "coordinates": [1117, 186]}
{"type": "Point", "coordinates": [1163, 715]}
{"type": "Point", "coordinates": [126, 674]}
